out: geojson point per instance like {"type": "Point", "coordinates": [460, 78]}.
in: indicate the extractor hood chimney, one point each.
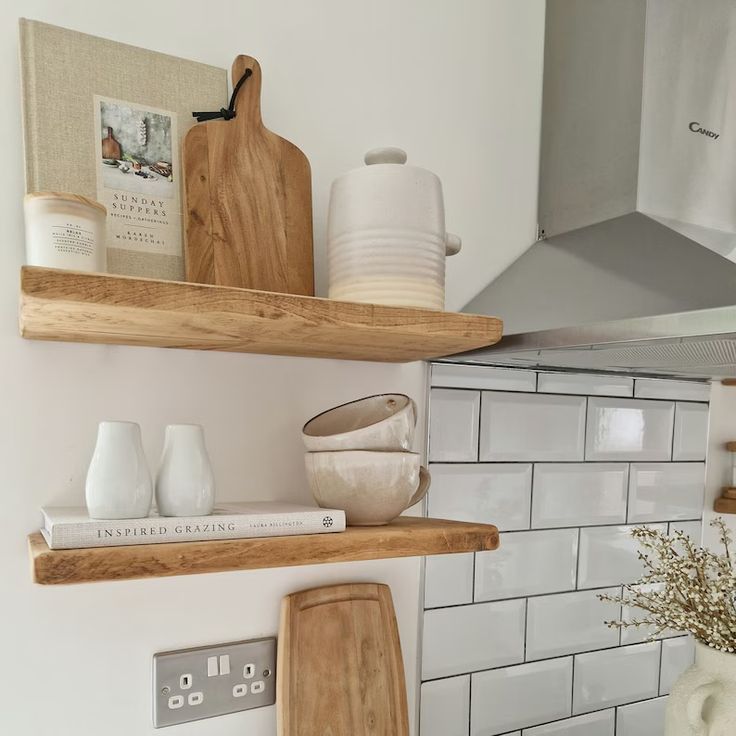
{"type": "Point", "coordinates": [634, 270]}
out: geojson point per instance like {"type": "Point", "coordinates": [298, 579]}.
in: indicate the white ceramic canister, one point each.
{"type": "Point", "coordinates": [118, 480]}
{"type": "Point", "coordinates": [65, 231]}
{"type": "Point", "coordinates": [386, 237]}
{"type": "Point", "coordinates": [702, 700]}
{"type": "Point", "coordinates": [185, 484]}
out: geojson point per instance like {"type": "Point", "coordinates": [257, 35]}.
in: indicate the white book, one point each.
{"type": "Point", "coordinates": [69, 527]}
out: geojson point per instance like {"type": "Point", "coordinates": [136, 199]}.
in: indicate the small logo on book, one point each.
{"type": "Point", "coordinates": [327, 521]}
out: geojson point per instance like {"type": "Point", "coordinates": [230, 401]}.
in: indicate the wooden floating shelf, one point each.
{"type": "Point", "coordinates": [101, 308]}
{"type": "Point", "coordinates": [404, 537]}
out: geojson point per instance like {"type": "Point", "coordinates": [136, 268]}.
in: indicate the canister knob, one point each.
{"type": "Point", "coordinates": [388, 155]}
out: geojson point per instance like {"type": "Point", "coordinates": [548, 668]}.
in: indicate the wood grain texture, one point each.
{"type": "Point", "coordinates": [404, 537]}
{"type": "Point", "coordinates": [728, 492]}
{"type": "Point", "coordinates": [725, 505]}
{"type": "Point", "coordinates": [731, 446]}
{"type": "Point", "coordinates": [728, 382]}
{"type": "Point", "coordinates": [248, 200]}
{"type": "Point", "coordinates": [340, 671]}
{"type": "Point", "coordinates": [101, 308]}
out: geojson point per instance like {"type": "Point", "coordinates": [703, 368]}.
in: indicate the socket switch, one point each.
{"type": "Point", "coordinates": [190, 684]}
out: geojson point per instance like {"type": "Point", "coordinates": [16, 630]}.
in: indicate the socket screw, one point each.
{"type": "Point", "coordinates": [165, 691]}
{"type": "Point", "coordinates": [267, 672]}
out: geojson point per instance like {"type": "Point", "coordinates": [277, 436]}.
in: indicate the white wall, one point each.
{"type": "Point", "coordinates": [458, 85]}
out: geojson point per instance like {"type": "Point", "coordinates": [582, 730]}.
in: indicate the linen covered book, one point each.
{"type": "Point", "coordinates": [69, 527]}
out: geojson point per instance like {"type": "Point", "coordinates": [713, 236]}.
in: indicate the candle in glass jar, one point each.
{"type": "Point", "coordinates": [65, 231]}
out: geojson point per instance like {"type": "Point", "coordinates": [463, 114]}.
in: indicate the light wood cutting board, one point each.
{"type": "Point", "coordinates": [340, 671]}
{"type": "Point", "coordinates": [248, 200]}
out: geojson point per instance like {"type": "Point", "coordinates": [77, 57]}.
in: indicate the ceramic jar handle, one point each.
{"type": "Point", "coordinates": [696, 704]}
{"type": "Point", "coordinates": [424, 480]}
{"type": "Point", "coordinates": [452, 244]}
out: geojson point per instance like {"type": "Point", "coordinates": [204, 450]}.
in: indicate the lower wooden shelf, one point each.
{"type": "Point", "coordinates": [405, 537]}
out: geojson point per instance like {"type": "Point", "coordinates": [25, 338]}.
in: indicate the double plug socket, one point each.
{"type": "Point", "coordinates": [202, 682]}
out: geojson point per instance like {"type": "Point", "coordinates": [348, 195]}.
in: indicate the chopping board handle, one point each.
{"type": "Point", "coordinates": [248, 101]}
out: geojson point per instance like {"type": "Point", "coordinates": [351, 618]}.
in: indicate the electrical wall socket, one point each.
{"type": "Point", "coordinates": [190, 684]}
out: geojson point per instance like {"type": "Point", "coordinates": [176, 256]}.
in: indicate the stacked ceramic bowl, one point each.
{"type": "Point", "coordinates": [358, 459]}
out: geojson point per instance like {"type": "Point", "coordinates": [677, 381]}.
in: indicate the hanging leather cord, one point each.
{"type": "Point", "coordinates": [229, 112]}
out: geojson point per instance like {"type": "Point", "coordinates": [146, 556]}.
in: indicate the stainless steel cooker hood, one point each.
{"type": "Point", "coordinates": [637, 198]}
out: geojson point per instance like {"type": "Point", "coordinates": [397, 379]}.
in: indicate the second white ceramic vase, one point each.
{"type": "Point", "coordinates": [118, 480]}
{"type": "Point", "coordinates": [185, 484]}
{"type": "Point", "coordinates": [702, 701]}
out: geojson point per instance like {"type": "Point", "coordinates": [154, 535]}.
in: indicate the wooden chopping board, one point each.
{"type": "Point", "coordinates": [110, 147]}
{"type": "Point", "coordinates": [340, 671]}
{"type": "Point", "coordinates": [248, 200]}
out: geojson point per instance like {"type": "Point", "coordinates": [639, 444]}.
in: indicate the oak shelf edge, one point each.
{"type": "Point", "coordinates": [404, 537]}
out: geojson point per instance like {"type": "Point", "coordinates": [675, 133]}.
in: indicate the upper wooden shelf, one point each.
{"type": "Point", "coordinates": [405, 537]}
{"type": "Point", "coordinates": [100, 308]}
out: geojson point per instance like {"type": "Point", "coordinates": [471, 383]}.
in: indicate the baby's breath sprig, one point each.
{"type": "Point", "coordinates": [684, 588]}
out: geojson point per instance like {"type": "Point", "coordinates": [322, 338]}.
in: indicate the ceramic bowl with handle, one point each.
{"type": "Point", "coordinates": [372, 487]}
{"type": "Point", "coordinates": [382, 422]}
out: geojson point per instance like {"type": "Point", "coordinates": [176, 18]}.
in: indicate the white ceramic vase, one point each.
{"type": "Point", "coordinates": [386, 237]}
{"type": "Point", "coordinates": [185, 484]}
{"type": "Point", "coordinates": [118, 480]}
{"type": "Point", "coordinates": [703, 700]}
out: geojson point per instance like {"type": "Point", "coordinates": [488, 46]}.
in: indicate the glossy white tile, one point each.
{"type": "Point", "coordinates": [666, 491]}
{"type": "Point", "coordinates": [448, 580]}
{"type": "Point", "coordinates": [453, 425]}
{"type": "Point", "coordinates": [677, 655]}
{"type": "Point", "coordinates": [691, 529]}
{"type": "Point", "coordinates": [483, 377]}
{"type": "Point", "coordinates": [655, 388]}
{"type": "Point", "coordinates": [497, 494]}
{"type": "Point", "coordinates": [445, 707]}
{"type": "Point", "coordinates": [587, 384]}
{"type": "Point", "coordinates": [570, 623]}
{"type": "Point", "coordinates": [629, 429]}
{"type": "Point", "coordinates": [608, 556]}
{"type": "Point", "coordinates": [527, 427]}
{"type": "Point", "coordinates": [641, 719]}
{"type": "Point", "coordinates": [470, 638]}
{"type": "Point", "coordinates": [578, 494]}
{"type": "Point", "coordinates": [691, 431]}
{"type": "Point", "coordinates": [615, 676]}
{"type": "Point", "coordinates": [517, 697]}
{"type": "Point", "coordinates": [527, 563]}
{"type": "Point", "coordinates": [601, 723]}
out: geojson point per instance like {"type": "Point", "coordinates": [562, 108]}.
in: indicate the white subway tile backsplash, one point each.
{"type": "Point", "coordinates": [525, 427]}
{"type": "Point", "coordinates": [471, 638]}
{"type": "Point", "coordinates": [608, 556]}
{"type": "Point", "coordinates": [453, 425]}
{"type": "Point", "coordinates": [565, 464]}
{"type": "Point", "coordinates": [641, 719]}
{"type": "Point", "coordinates": [677, 655]}
{"type": "Point", "coordinates": [666, 491]}
{"type": "Point", "coordinates": [527, 563]}
{"type": "Point", "coordinates": [655, 388]}
{"type": "Point", "coordinates": [516, 697]}
{"type": "Point", "coordinates": [445, 707]}
{"type": "Point", "coordinates": [629, 429]}
{"type": "Point", "coordinates": [615, 676]}
{"type": "Point", "coordinates": [570, 623]}
{"type": "Point", "coordinates": [448, 580]}
{"type": "Point", "coordinates": [587, 384]}
{"type": "Point", "coordinates": [483, 377]}
{"type": "Point", "coordinates": [691, 529]}
{"type": "Point", "coordinates": [691, 431]}
{"type": "Point", "coordinates": [497, 494]}
{"type": "Point", "coordinates": [602, 723]}
{"type": "Point", "coordinates": [579, 494]}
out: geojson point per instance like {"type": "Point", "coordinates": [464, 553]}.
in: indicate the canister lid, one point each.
{"type": "Point", "coordinates": [387, 155]}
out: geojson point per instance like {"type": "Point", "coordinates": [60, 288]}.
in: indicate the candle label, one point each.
{"type": "Point", "coordinates": [74, 239]}
{"type": "Point", "coordinates": [139, 176]}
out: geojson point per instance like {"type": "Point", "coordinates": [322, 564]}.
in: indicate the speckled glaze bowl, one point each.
{"type": "Point", "coordinates": [373, 488]}
{"type": "Point", "coordinates": [382, 422]}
